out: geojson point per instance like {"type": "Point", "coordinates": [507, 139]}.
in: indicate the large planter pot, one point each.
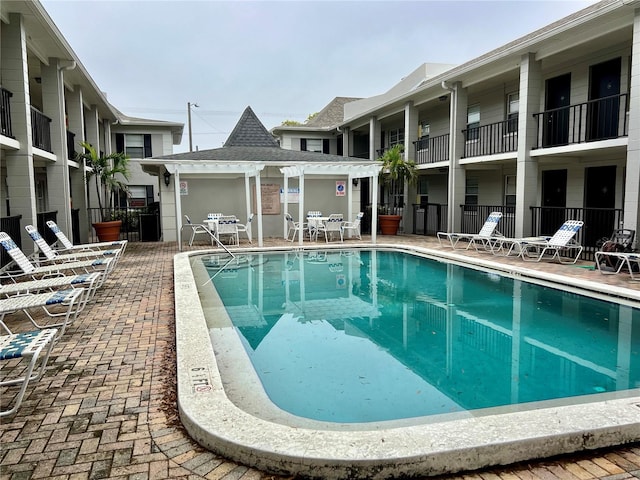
{"type": "Point", "coordinates": [108, 231]}
{"type": "Point", "coordinates": [389, 224]}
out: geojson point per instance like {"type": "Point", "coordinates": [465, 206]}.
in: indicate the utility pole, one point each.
{"type": "Point", "coordinates": [189, 105]}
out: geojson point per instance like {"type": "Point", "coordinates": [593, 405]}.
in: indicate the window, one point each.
{"type": "Point", "coordinates": [510, 192]}
{"type": "Point", "coordinates": [471, 192]}
{"type": "Point", "coordinates": [423, 135]}
{"type": "Point", "coordinates": [318, 145]}
{"type": "Point", "coordinates": [513, 107]}
{"type": "Point", "coordinates": [396, 136]}
{"type": "Point", "coordinates": [134, 145]}
{"type": "Point", "coordinates": [473, 122]}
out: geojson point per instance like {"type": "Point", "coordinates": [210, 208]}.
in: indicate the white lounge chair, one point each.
{"type": "Point", "coordinates": [27, 269]}
{"type": "Point", "coordinates": [57, 257]}
{"type": "Point", "coordinates": [32, 346]}
{"type": "Point", "coordinates": [66, 244]}
{"type": "Point", "coordinates": [352, 226]}
{"type": "Point", "coordinates": [482, 239]}
{"type": "Point", "coordinates": [561, 246]}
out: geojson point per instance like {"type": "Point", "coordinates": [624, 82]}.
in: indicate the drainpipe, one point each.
{"type": "Point", "coordinates": [452, 140]}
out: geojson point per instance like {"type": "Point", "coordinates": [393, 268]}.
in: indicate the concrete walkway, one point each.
{"type": "Point", "coordinates": [106, 406]}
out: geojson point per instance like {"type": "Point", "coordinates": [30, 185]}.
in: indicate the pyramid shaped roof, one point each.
{"type": "Point", "coordinates": [250, 132]}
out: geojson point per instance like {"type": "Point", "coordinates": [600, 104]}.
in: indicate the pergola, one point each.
{"type": "Point", "coordinates": [251, 169]}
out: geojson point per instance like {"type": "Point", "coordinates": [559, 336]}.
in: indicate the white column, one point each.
{"type": "Point", "coordinates": [77, 186]}
{"type": "Point", "coordinates": [259, 204]}
{"type": "Point", "coordinates": [632, 183]}
{"type": "Point", "coordinates": [457, 173]}
{"type": "Point", "coordinates": [21, 191]}
{"type": "Point", "coordinates": [527, 167]}
{"type": "Point", "coordinates": [374, 137]}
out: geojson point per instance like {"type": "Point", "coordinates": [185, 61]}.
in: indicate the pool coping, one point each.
{"type": "Point", "coordinates": [215, 422]}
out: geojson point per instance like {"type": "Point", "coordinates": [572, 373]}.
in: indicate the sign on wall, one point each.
{"type": "Point", "coordinates": [341, 188]}
{"type": "Point", "coordinates": [184, 187]}
{"type": "Point", "coordinates": [293, 195]}
{"type": "Point", "coordinates": [270, 199]}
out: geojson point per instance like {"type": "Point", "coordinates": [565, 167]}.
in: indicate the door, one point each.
{"type": "Point", "coordinates": [554, 200]}
{"type": "Point", "coordinates": [599, 201]}
{"type": "Point", "coordinates": [556, 115]}
{"type": "Point", "coordinates": [604, 100]}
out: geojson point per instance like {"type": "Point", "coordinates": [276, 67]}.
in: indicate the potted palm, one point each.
{"type": "Point", "coordinates": [395, 171]}
{"type": "Point", "coordinates": [106, 172]}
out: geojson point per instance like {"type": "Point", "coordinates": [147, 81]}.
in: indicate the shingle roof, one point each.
{"type": "Point", "coordinates": [332, 114]}
{"type": "Point", "coordinates": [250, 132]}
{"type": "Point", "coordinates": [250, 141]}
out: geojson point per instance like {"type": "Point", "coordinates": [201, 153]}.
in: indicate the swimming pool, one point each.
{"type": "Point", "coordinates": [484, 322]}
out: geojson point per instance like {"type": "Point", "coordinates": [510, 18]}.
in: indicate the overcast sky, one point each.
{"type": "Point", "coordinates": [285, 59]}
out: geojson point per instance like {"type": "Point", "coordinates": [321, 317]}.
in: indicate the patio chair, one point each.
{"type": "Point", "coordinates": [353, 226]}
{"type": "Point", "coordinates": [293, 227]}
{"type": "Point", "coordinates": [246, 227]}
{"type": "Point", "coordinates": [616, 254]}
{"type": "Point", "coordinates": [332, 226]}
{"type": "Point", "coordinates": [57, 257]}
{"type": "Point", "coordinates": [34, 347]}
{"type": "Point", "coordinates": [482, 239]}
{"type": "Point", "coordinates": [228, 226]}
{"type": "Point", "coordinates": [26, 269]}
{"type": "Point", "coordinates": [196, 229]}
{"type": "Point", "coordinates": [60, 303]}
{"type": "Point", "coordinates": [66, 244]}
{"type": "Point", "coordinates": [562, 245]}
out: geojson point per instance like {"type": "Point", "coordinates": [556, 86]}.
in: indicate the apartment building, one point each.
{"type": "Point", "coordinates": [544, 128]}
{"type": "Point", "coordinates": [49, 104]}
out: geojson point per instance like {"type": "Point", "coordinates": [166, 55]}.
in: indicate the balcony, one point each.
{"type": "Point", "coordinates": [71, 141]}
{"type": "Point", "coordinates": [5, 113]}
{"type": "Point", "coordinates": [432, 149]}
{"type": "Point", "coordinates": [601, 119]}
{"type": "Point", "coordinates": [492, 139]}
{"type": "Point", "coordinates": [41, 130]}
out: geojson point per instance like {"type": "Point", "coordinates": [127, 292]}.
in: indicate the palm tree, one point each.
{"type": "Point", "coordinates": [104, 169]}
{"type": "Point", "coordinates": [396, 170]}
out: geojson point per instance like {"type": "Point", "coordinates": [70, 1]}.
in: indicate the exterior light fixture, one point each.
{"type": "Point", "coordinates": [354, 181]}
{"type": "Point", "coordinates": [167, 177]}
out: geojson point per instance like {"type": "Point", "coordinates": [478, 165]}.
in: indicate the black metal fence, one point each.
{"type": "Point", "coordinates": [432, 149]}
{"type": "Point", "coordinates": [429, 219]}
{"type": "Point", "coordinates": [41, 130]}
{"type": "Point", "coordinates": [139, 224]}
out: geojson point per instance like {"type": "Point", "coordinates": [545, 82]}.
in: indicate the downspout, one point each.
{"type": "Point", "coordinates": [65, 65]}
{"type": "Point", "coordinates": [452, 140]}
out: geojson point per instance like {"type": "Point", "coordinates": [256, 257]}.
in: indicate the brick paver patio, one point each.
{"type": "Point", "coordinates": [106, 406]}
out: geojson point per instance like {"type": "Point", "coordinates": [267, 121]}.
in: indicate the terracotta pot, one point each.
{"type": "Point", "coordinates": [389, 224]}
{"type": "Point", "coordinates": [108, 231]}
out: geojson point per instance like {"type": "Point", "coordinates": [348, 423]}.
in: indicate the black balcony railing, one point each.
{"type": "Point", "coordinates": [138, 223]}
{"type": "Point", "coordinates": [42, 218]}
{"type": "Point", "coordinates": [5, 113]}
{"type": "Point", "coordinates": [500, 137]}
{"type": "Point", "coordinates": [474, 216]}
{"type": "Point", "coordinates": [41, 130]}
{"type": "Point", "coordinates": [432, 149]}
{"type": "Point", "coordinates": [601, 119]}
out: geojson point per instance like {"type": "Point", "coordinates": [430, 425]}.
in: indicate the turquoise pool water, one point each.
{"type": "Point", "coordinates": [367, 336]}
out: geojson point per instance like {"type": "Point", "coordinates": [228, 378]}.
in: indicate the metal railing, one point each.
{"type": "Point", "coordinates": [600, 119]}
{"type": "Point", "coordinates": [41, 130]}
{"type": "Point", "coordinates": [474, 216]}
{"type": "Point", "coordinates": [5, 113]}
{"type": "Point", "coordinates": [499, 137]}
{"type": "Point", "coordinates": [432, 149]}
{"type": "Point", "coordinates": [138, 223]}
{"type": "Point", "coordinates": [42, 218]}
{"type": "Point", "coordinates": [71, 147]}
{"type": "Point", "coordinates": [429, 219]}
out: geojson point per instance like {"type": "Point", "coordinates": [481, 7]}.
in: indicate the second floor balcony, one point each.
{"type": "Point", "coordinates": [41, 130]}
{"type": "Point", "coordinates": [602, 119]}
{"type": "Point", "coordinates": [5, 113]}
{"type": "Point", "coordinates": [492, 139]}
{"type": "Point", "coordinates": [432, 149]}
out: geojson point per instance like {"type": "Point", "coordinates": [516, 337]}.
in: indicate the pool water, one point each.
{"type": "Point", "coordinates": [374, 335]}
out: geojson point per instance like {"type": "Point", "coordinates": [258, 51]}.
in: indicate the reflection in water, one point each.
{"type": "Point", "coordinates": [360, 336]}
